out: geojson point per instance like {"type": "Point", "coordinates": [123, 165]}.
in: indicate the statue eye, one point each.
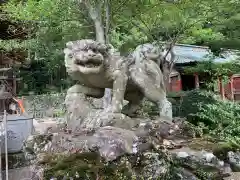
{"type": "Point", "coordinates": [70, 55]}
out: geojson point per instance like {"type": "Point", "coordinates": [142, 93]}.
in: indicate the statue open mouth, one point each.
{"type": "Point", "coordinates": [90, 66]}
{"type": "Point", "coordinates": [91, 63]}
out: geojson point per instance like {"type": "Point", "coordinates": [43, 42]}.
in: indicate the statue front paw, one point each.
{"type": "Point", "coordinates": [115, 110]}
{"type": "Point", "coordinates": [165, 109]}
{"type": "Point", "coordinates": [108, 109]}
{"type": "Point", "coordinates": [116, 107]}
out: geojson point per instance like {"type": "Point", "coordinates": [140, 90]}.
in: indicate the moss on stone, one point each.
{"type": "Point", "coordinates": [89, 165]}
{"type": "Point", "coordinates": [201, 143]}
{"type": "Point", "coordinates": [221, 150]}
{"type": "Point", "coordinates": [86, 165]}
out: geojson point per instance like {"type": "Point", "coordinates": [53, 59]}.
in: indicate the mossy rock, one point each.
{"type": "Point", "coordinates": [201, 143]}
{"type": "Point", "coordinates": [89, 165]}
{"type": "Point", "coordinates": [86, 165]}
{"type": "Point", "coordinates": [204, 174]}
{"type": "Point", "coordinates": [221, 150]}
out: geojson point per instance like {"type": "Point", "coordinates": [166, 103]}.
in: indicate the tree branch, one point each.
{"type": "Point", "coordinates": [107, 20]}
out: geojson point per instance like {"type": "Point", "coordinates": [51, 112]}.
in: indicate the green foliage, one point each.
{"type": "Point", "coordinates": [216, 117]}
{"type": "Point", "coordinates": [227, 24]}
{"type": "Point", "coordinates": [193, 100]}
{"type": "Point", "coordinates": [148, 109]}
{"type": "Point", "coordinates": [51, 23]}
{"type": "Point", "coordinates": [215, 69]}
{"type": "Point", "coordinates": [9, 45]}
{"type": "Point", "coordinates": [224, 119]}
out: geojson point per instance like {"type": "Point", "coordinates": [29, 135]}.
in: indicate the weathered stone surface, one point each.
{"type": "Point", "coordinates": [234, 176]}
{"type": "Point", "coordinates": [47, 125]}
{"type": "Point", "coordinates": [142, 147]}
{"type": "Point", "coordinates": [184, 174]}
{"type": "Point", "coordinates": [88, 138]}
{"type": "Point", "coordinates": [155, 166]}
{"type": "Point", "coordinates": [202, 163]}
{"type": "Point", "coordinates": [101, 118]}
{"type": "Point", "coordinates": [77, 107]}
{"type": "Point", "coordinates": [234, 160]}
{"type": "Point", "coordinates": [110, 142]}
{"type": "Point", "coordinates": [140, 151]}
{"type": "Point", "coordinates": [166, 110]}
{"type": "Point", "coordinates": [113, 142]}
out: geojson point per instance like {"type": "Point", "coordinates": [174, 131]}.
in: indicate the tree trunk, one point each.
{"type": "Point", "coordinates": [96, 16]}
{"type": "Point", "coordinates": [167, 65]}
{"type": "Point", "coordinates": [99, 31]}
{"type": "Point", "coordinates": [108, 92]}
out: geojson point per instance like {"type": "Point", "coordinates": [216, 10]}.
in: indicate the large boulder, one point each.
{"type": "Point", "coordinates": [116, 152]}
{"type": "Point", "coordinates": [234, 160]}
{"type": "Point", "coordinates": [204, 164]}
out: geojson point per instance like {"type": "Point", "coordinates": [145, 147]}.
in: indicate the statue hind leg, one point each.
{"type": "Point", "coordinates": [134, 99]}
{"type": "Point", "coordinates": [158, 96]}
{"type": "Point", "coordinates": [148, 77]}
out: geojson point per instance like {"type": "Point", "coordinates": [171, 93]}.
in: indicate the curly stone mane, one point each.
{"type": "Point", "coordinates": [86, 44]}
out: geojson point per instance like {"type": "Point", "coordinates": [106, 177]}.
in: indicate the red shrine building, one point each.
{"type": "Point", "coordinates": [190, 55]}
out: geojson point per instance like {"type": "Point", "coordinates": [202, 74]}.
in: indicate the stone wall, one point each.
{"type": "Point", "coordinates": [50, 105]}
{"type": "Point", "coordinates": [46, 105]}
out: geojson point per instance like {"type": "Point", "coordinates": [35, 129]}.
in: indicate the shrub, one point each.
{"type": "Point", "coordinates": [192, 102]}
{"type": "Point", "coordinates": [220, 118]}
{"type": "Point", "coordinates": [224, 118]}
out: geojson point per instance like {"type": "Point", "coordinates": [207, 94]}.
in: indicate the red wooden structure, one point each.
{"type": "Point", "coordinates": [230, 91]}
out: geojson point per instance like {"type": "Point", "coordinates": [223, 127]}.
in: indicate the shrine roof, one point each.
{"type": "Point", "coordinates": [190, 53]}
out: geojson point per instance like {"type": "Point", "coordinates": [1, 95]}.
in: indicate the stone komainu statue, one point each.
{"type": "Point", "coordinates": [95, 68]}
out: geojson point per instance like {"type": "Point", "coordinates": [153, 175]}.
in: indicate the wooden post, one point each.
{"type": "Point", "coordinates": [231, 87]}
{"type": "Point", "coordinates": [1, 143]}
{"type": "Point", "coordinates": [170, 89]}
{"type": "Point", "coordinates": [179, 83]}
{"type": "Point", "coordinates": [196, 80]}
{"type": "Point", "coordinates": [221, 87]}
{"type": "Point", "coordinates": [14, 89]}
{"type": "Point", "coordinates": [6, 143]}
